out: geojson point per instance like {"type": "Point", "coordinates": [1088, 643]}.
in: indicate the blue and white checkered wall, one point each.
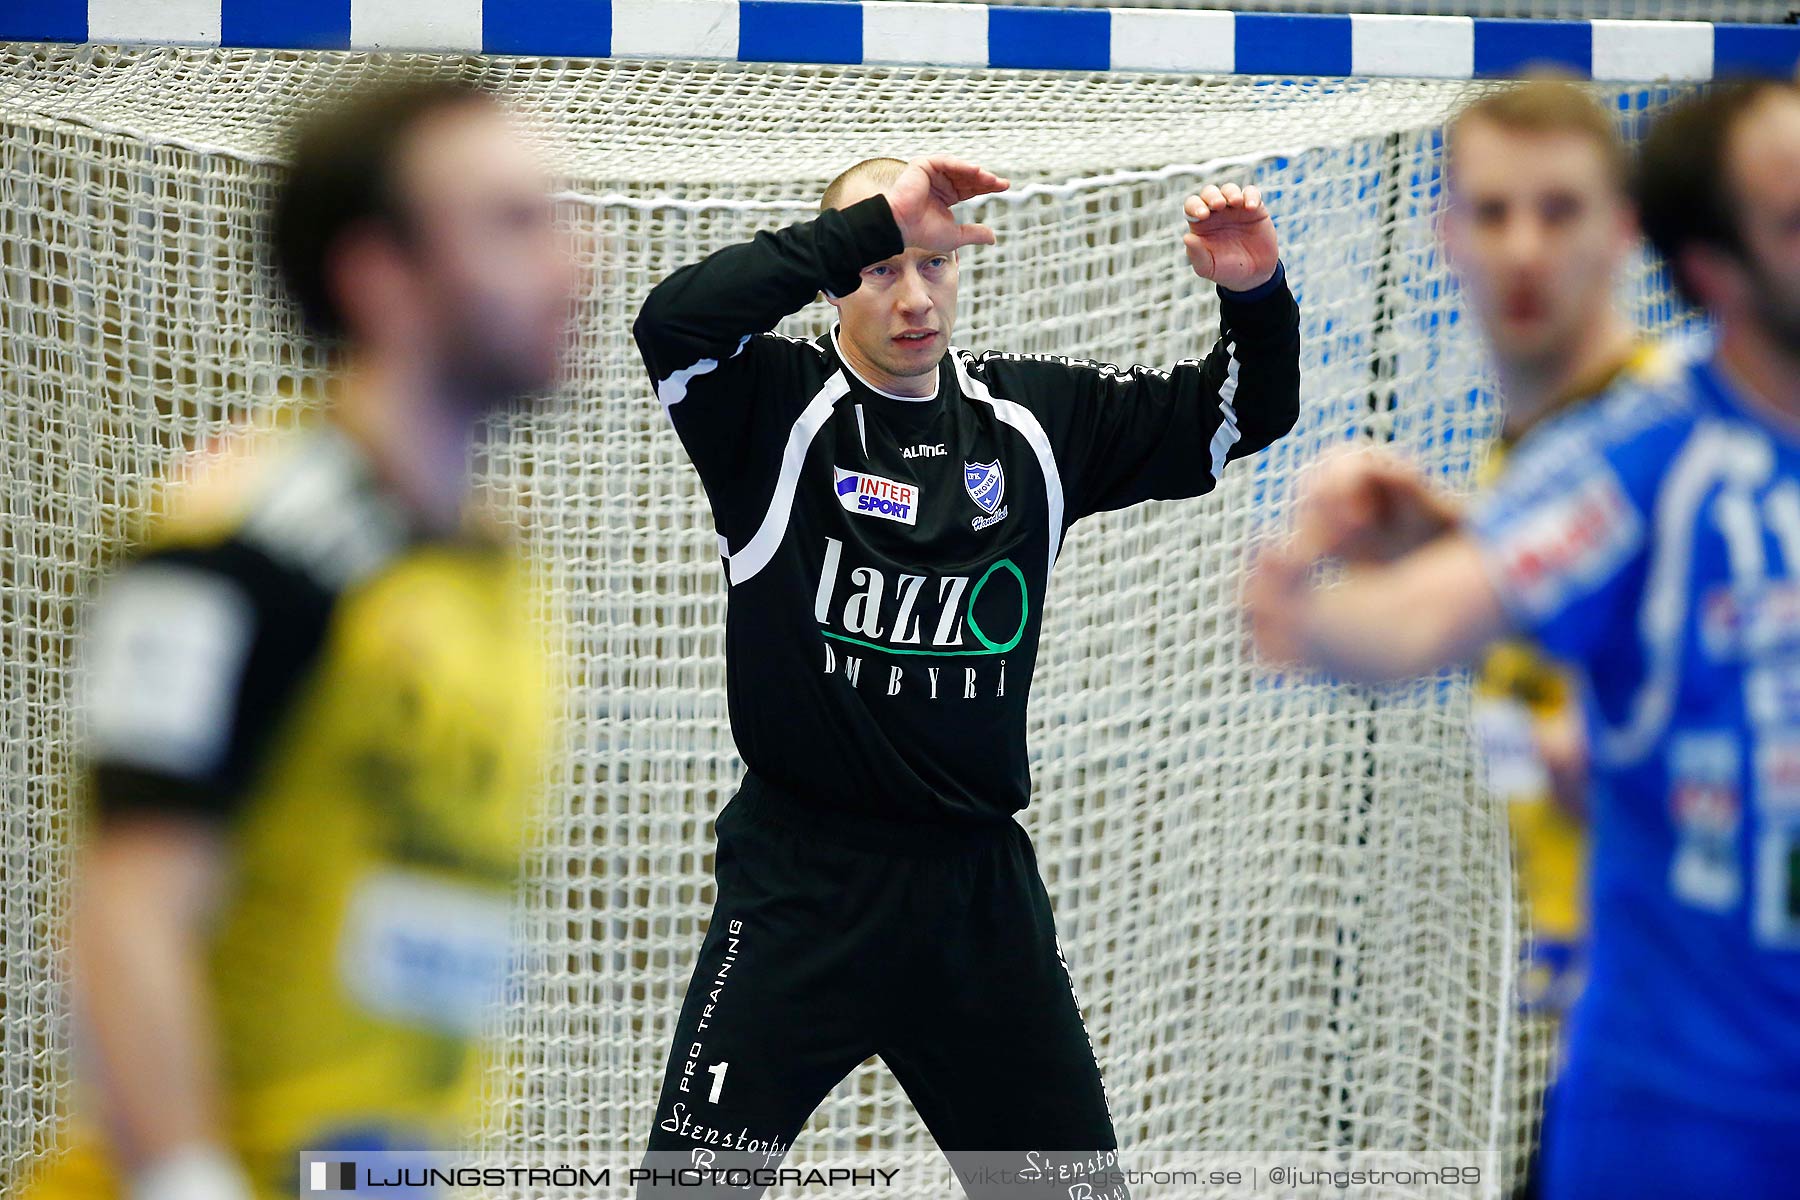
{"type": "Point", "coordinates": [966, 35]}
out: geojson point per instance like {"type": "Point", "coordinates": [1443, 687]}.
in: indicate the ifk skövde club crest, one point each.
{"type": "Point", "coordinates": [985, 484]}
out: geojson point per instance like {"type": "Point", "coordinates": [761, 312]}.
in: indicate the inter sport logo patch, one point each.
{"type": "Point", "coordinates": [873, 496]}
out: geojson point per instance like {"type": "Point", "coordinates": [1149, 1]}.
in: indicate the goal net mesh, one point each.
{"type": "Point", "coordinates": [1287, 906]}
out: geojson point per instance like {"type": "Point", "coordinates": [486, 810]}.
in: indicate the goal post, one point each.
{"type": "Point", "coordinates": [1287, 906]}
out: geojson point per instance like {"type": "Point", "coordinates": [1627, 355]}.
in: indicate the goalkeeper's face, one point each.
{"type": "Point", "coordinates": [1537, 229]}
{"type": "Point", "coordinates": [489, 279]}
{"type": "Point", "coordinates": [899, 319]}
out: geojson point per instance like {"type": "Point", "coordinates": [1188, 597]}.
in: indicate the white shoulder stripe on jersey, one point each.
{"type": "Point", "coordinates": [1023, 420]}
{"type": "Point", "coordinates": [1226, 435]}
{"type": "Point", "coordinates": [162, 662]}
{"type": "Point", "coordinates": [1713, 454]}
{"type": "Point", "coordinates": [673, 390]}
{"type": "Point", "coordinates": [319, 512]}
{"type": "Point", "coordinates": [767, 539]}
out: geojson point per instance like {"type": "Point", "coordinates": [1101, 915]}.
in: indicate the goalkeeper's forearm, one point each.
{"type": "Point", "coordinates": [707, 308]}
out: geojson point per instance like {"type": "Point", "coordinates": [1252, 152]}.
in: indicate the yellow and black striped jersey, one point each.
{"type": "Point", "coordinates": [363, 708]}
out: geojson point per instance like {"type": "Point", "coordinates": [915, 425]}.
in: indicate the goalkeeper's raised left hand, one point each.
{"type": "Point", "coordinates": [1230, 238]}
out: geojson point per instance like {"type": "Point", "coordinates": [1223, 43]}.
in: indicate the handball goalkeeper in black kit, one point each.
{"type": "Point", "coordinates": [889, 509]}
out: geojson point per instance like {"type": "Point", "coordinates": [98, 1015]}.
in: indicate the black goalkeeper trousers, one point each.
{"type": "Point", "coordinates": [933, 948]}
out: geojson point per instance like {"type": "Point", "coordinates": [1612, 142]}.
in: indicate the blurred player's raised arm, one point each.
{"type": "Point", "coordinates": [1431, 608]}
{"type": "Point", "coordinates": [1550, 551]}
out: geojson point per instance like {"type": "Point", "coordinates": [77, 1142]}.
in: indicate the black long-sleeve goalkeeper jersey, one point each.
{"type": "Point", "coordinates": [888, 559]}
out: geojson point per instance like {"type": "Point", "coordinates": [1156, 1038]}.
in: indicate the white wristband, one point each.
{"type": "Point", "coordinates": [192, 1173]}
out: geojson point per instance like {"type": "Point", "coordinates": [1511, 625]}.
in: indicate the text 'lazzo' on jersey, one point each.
{"type": "Point", "coordinates": [976, 616]}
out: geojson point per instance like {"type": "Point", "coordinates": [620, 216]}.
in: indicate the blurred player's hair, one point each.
{"type": "Point", "coordinates": [1544, 104]}
{"type": "Point", "coordinates": [1684, 192]}
{"type": "Point", "coordinates": [341, 177]}
{"type": "Point", "coordinates": [878, 171]}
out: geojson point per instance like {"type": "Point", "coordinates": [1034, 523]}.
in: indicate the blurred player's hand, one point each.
{"type": "Point", "coordinates": [1230, 238]}
{"type": "Point", "coordinates": [1365, 505]}
{"type": "Point", "coordinates": [1277, 601]}
{"type": "Point", "coordinates": [921, 198]}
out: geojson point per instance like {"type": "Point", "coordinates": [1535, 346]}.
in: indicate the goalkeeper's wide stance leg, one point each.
{"type": "Point", "coordinates": [933, 947]}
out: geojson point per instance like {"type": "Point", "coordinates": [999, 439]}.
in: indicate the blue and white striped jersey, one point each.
{"type": "Point", "coordinates": [1653, 539]}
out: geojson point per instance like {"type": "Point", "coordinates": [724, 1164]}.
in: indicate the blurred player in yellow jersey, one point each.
{"type": "Point", "coordinates": [316, 702]}
{"type": "Point", "coordinates": [1538, 226]}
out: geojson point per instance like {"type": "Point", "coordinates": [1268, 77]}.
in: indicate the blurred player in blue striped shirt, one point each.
{"type": "Point", "coordinates": [1653, 540]}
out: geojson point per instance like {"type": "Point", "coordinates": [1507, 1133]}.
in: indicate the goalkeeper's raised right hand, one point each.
{"type": "Point", "coordinates": [923, 194]}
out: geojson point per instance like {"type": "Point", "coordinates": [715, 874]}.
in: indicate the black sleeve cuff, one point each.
{"type": "Point", "coordinates": [1262, 291]}
{"type": "Point", "coordinates": [116, 791]}
{"type": "Point", "coordinates": [853, 237]}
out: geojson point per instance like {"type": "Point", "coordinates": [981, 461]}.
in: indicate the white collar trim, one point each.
{"type": "Point", "coordinates": [939, 377]}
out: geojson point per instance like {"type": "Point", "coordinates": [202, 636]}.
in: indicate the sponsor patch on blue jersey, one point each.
{"type": "Point", "coordinates": [1565, 543]}
{"type": "Point", "coordinates": [1705, 808]}
{"type": "Point", "coordinates": [1778, 772]}
{"type": "Point", "coordinates": [875, 496]}
{"type": "Point", "coordinates": [1772, 695]}
{"type": "Point", "coordinates": [1751, 623]}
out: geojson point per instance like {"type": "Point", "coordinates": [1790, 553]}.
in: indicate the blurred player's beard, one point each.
{"type": "Point", "coordinates": [1775, 303]}
{"type": "Point", "coordinates": [486, 372]}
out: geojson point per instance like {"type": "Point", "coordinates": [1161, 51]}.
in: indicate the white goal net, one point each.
{"type": "Point", "coordinates": [1287, 906]}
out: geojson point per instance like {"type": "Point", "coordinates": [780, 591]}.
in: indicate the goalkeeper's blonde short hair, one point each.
{"type": "Point", "coordinates": [878, 171]}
